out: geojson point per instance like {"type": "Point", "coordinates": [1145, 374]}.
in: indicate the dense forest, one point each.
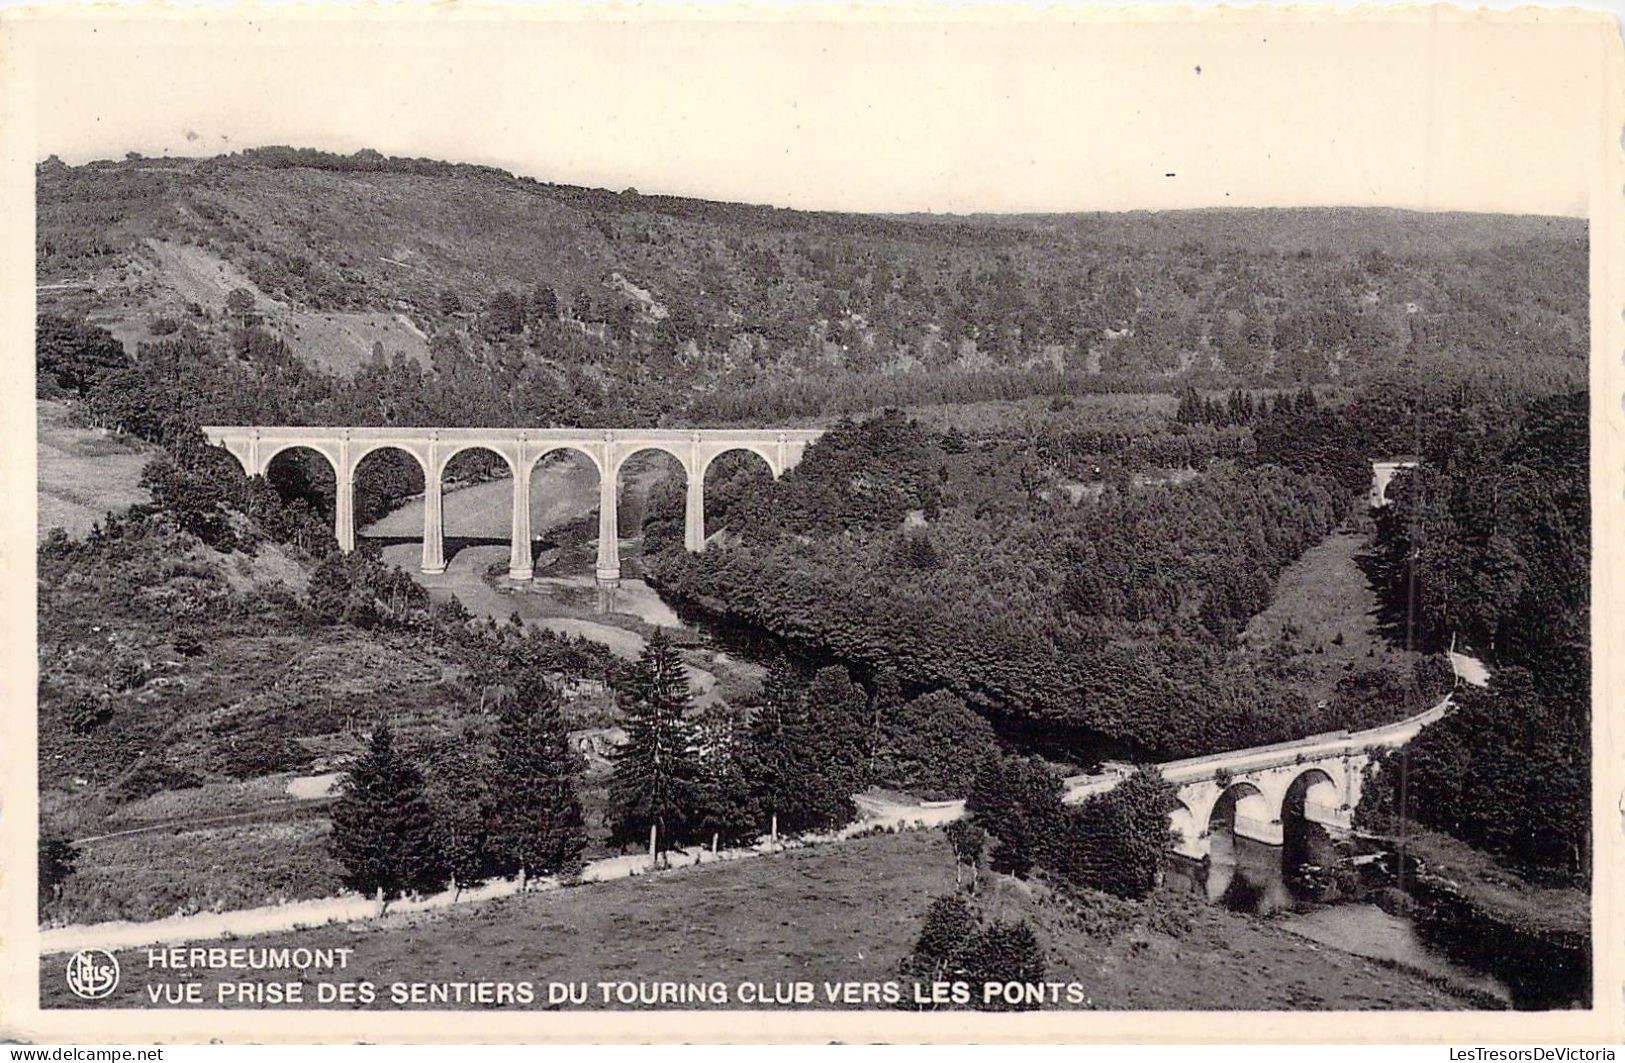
{"type": "Point", "coordinates": [1113, 621]}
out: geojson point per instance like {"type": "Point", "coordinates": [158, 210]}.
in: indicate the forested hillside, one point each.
{"type": "Point", "coordinates": [1489, 541]}
{"type": "Point", "coordinates": [549, 304]}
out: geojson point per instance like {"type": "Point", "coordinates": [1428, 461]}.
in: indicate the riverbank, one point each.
{"type": "Point", "coordinates": [1534, 937]}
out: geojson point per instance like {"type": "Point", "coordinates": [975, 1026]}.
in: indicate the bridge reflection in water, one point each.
{"type": "Point", "coordinates": [1247, 875]}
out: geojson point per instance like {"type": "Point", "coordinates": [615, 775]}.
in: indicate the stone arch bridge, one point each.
{"type": "Point", "coordinates": [521, 449]}
{"type": "Point", "coordinates": [1250, 791]}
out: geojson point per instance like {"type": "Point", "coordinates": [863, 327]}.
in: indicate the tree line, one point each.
{"type": "Point", "coordinates": [752, 300]}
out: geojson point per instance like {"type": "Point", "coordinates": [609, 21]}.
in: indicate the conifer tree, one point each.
{"type": "Point", "coordinates": [838, 714]}
{"type": "Point", "coordinates": [538, 827]}
{"type": "Point", "coordinates": [1004, 952]}
{"type": "Point", "coordinates": [462, 790]}
{"type": "Point", "coordinates": [656, 769]}
{"type": "Point", "coordinates": [383, 826]}
{"type": "Point", "coordinates": [808, 750]}
{"type": "Point", "coordinates": [769, 755]}
{"type": "Point", "coordinates": [724, 806]}
{"type": "Point", "coordinates": [885, 698]}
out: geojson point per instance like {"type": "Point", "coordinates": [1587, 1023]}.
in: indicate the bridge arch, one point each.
{"type": "Point", "coordinates": [632, 504]}
{"type": "Point", "coordinates": [386, 477]}
{"type": "Point", "coordinates": [533, 459]}
{"type": "Point", "coordinates": [737, 470]}
{"type": "Point", "coordinates": [761, 450]}
{"type": "Point", "coordinates": [1309, 806]}
{"type": "Point", "coordinates": [1312, 789]}
{"type": "Point", "coordinates": [1242, 810]}
{"type": "Point", "coordinates": [270, 452]}
{"type": "Point", "coordinates": [360, 452]}
{"type": "Point", "coordinates": [1185, 826]}
{"type": "Point", "coordinates": [285, 461]}
{"type": "Point", "coordinates": [452, 453]}
{"type": "Point", "coordinates": [297, 472]}
{"type": "Point", "coordinates": [677, 453]}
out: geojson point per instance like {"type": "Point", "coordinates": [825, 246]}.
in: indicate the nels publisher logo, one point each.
{"type": "Point", "coordinates": [93, 973]}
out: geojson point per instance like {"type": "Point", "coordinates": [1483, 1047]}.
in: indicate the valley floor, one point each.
{"type": "Point", "coordinates": [1324, 618]}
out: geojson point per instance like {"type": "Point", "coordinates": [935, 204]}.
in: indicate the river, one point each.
{"type": "Point", "coordinates": [1242, 875]}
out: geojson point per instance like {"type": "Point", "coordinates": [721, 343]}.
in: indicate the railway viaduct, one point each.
{"type": "Point", "coordinates": [433, 448]}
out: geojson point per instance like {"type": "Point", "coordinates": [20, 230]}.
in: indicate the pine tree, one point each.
{"type": "Point", "coordinates": [461, 789]}
{"type": "Point", "coordinates": [808, 749]}
{"type": "Point", "coordinates": [1004, 952]}
{"type": "Point", "coordinates": [838, 712]}
{"type": "Point", "coordinates": [724, 806]}
{"type": "Point", "coordinates": [538, 827]}
{"type": "Point", "coordinates": [383, 826]}
{"type": "Point", "coordinates": [885, 698]}
{"type": "Point", "coordinates": [950, 926]}
{"type": "Point", "coordinates": [656, 769]}
{"type": "Point", "coordinates": [771, 756]}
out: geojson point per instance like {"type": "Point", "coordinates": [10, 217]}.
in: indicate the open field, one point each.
{"type": "Point", "coordinates": [1009, 417]}
{"type": "Point", "coordinates": [1324, 619]}
{"type": "Point", "coordinates": [840, 912]}
{"type": "Point", "coordinates": [83, 472]}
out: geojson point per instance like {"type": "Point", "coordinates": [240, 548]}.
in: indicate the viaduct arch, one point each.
{"type": "Point", "coordinates": [254, 446]}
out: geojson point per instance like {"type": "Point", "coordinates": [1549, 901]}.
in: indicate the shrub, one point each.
{"type": "Point", "coordinates": [968, 841]}
{"type": "Point", "coordinates": [58, 858]}
{"type": "Point", "coordinates": [1018, 801]}
{"type": "Point", "coordinates": [1116, 841]}
{"type": "Point", "coordinates": [1003, 952]}
{"type": "Point", "coordinates": [954, 946]}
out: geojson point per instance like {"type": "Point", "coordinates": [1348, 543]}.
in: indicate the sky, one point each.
{"type": "Point", "coordinates": [963, 113]}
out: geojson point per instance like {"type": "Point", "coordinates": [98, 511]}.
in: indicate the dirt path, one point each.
{"type": "Point", "coordinates": [349, 908]}
{"type": "Point", "coordinates": [276, 813]}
